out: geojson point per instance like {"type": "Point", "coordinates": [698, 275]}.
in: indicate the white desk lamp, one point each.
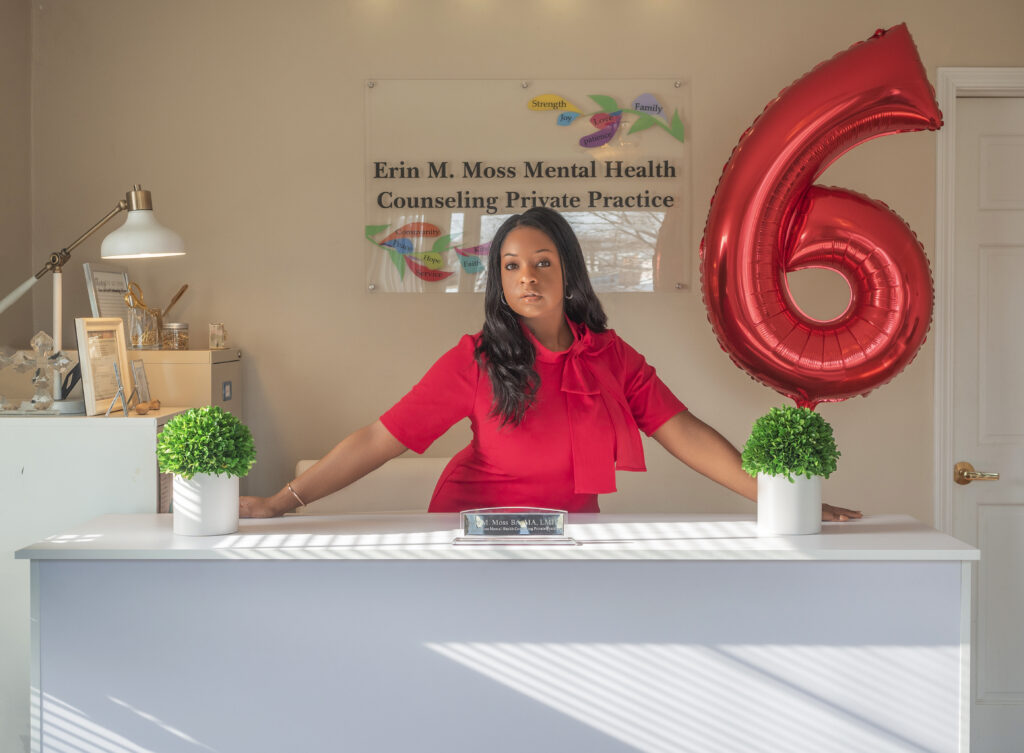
{"type": "Point", "coordinates": [140, 236]}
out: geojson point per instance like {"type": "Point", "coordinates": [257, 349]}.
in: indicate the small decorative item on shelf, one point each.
{"type": "Point", "coordinates": [142, 320]}
{"type": "Point", "coordinates": [46, 366]}
{"type": "Point", "coordinates": [142, 329]}
{"type": "Point", "coordinates": [207, 450]}
{"type": "Point", "coordinates": [142, 408]}
{"type": "Point", "coordinates": [101, 343]}
{"type": "Point", "coordinates": [174, 300]}
{"type": "Point", "coordinates": [789, 451]}
{"type": "Point", "coordinates": [174, 336]}
{"type": "Point", "coordinates": [218, 336]}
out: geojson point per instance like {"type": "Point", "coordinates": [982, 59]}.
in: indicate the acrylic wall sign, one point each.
{"type": "Point", "coordinates": [514, 526]}
{"type": "Point", "coordinates": [612, 154]}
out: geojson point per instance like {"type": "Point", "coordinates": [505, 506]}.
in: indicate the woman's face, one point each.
{"type": "Point", "coordinates": [531, 276]}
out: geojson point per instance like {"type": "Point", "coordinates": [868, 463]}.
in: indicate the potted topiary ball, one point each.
{"type": "Point", "coordinates": [207, 450]}
{"type": "Point", "coordinates": [789, 451]}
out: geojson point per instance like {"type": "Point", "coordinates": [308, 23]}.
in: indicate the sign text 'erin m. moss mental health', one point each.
{"type": "Point", "coordinates": [638, 195]}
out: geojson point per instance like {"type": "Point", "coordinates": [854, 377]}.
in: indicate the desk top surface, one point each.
{"type": "Point", "coordinates": [426, 536]}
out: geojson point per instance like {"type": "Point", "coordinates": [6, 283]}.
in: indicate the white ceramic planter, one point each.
{"type": "Point", "coordinates": [786, 508]}
{"type": "Point", "coordinates": [205, 505]}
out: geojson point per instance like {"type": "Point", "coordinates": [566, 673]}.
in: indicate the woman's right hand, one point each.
{"type": "Point", "coordinates": [352, 458]}
{"type": "Point", "coordinates": [264, 507]}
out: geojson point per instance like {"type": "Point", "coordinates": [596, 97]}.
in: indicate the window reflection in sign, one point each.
{"type": "Point", "coordinates": [621, 248]}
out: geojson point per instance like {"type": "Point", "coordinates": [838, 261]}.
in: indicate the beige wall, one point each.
{"type": "Point", "coordinates": [245, 118]}
{"type": "Point", "coordinates": [15, 244]}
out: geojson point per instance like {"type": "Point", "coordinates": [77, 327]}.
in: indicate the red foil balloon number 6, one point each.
{"type": "Point", "coordinates": [767, 218]}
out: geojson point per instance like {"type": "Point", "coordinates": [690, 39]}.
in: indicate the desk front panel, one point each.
{"type": "Point", "coordinates": [500, 655]}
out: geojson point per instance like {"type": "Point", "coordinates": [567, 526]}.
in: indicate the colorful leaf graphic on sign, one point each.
{"type": "Point", "coordinates": [415, 230]}
{"type": "Point", "coordinates": [607, 104]}
{"type": "Point", "coordinates": [648, 104]}
{"type": "Point", "coordinates": [552, 103]}
{"type": "Point", "coordinates": [604, 119]}
{"type": "Point", "coordinates": [607, 125]}
{"type": "Point", "coordinates": [401, 243]}
{"type": "Point", "coordinates": [429, 266]}
{"type": "Point", "coordinates": [426, 273]}
{"type": "Point", "coordinates": [482, 250]}
{"type": "Point", "coordinates": [472, 259]}
{"type": "Point", "coordinates": [396, 257]}
{"type": "Point", "coordinates": [599, 138]}
{"type": "Point", "coordinates": [428, 259]}
{"type": "Point", "coordinates": [648, 110]}
{"type": "Point", "coordinates": [441, 244]}
{"type": "Point", "coordinates": [676, 128]}
{"type": "Point", "coordinates": [472, 265]}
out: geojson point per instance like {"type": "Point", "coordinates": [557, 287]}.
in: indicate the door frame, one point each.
{"type": "Point", "coordinates": [953, 83]}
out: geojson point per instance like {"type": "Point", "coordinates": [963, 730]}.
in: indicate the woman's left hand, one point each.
{"type": "Point", "coordinates": [830, 513]}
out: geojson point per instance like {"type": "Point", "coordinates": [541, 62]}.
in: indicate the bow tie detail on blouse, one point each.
{"type": "Point", "coordinates": [604, 434]}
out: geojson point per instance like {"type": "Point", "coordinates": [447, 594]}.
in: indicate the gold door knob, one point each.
{"type": "Point", "coordinates": [964, 473]}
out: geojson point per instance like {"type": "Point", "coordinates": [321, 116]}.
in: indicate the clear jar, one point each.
{"type": "Point", "coordinates": [174, 336]}
{"type": "Point", "coordinates": [142, 332]}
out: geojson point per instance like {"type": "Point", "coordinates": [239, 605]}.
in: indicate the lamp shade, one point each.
{"type": "Point", "coordinates": [141, 236]}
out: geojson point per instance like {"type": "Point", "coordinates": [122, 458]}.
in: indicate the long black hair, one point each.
{"type": "Point", "coordinates": [504, 350]}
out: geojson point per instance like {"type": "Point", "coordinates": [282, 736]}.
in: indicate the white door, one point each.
{"type": "Point", "coordinates": [988, 403]}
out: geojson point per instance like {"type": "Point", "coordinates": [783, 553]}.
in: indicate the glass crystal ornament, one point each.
{"type": "Point", "coordinates": [47, 364]}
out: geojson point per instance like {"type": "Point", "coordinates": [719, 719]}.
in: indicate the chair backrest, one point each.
{"type": "Point", "coordinates": [404, 484]}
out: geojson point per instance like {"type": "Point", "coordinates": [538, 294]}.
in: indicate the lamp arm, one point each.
{"type": "Point", "coordinates": [59, 258]}
{"type": "Point", "coordinates": [17, 293]}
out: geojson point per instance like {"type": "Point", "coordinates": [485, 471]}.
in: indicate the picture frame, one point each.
{"type": "Point", "coordinates": [107, 286]}
{"type": "Point", "coordinates": [121, 392]}
{"type": "Point", "coordinates": [141, 382]}
{"type": "Point", "coordinates": [101, 343]}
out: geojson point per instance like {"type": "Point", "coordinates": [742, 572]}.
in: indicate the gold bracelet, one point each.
{"type": "Point", "coordinates": [297, 497]}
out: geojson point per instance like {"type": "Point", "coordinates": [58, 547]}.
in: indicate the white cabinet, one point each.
{"type": "Point", "coordinates": [56, 472]}
{"type": "Point", "coordinates": [80, 465]}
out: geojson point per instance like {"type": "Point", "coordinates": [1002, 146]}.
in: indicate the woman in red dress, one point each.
{"type": "Point", "coordinates": [556, 400]}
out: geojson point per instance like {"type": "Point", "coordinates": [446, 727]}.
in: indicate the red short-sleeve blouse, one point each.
{"type": "Point", "coordinates": [581, 428]}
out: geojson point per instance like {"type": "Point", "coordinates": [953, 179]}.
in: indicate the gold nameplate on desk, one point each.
{"type": "Point", "coordinates": [514, 526]}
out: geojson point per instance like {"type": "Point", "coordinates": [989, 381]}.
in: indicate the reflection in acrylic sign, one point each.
{"type": "Point", "coordinates": [434, 197]}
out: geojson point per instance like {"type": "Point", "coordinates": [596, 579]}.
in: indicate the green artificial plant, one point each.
{"type": "Point", "coordinates": [205, 440]}
{"type": "Point", "coordinates": [790, 442]}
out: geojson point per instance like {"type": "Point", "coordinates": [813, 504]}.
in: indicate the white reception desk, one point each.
{"type": "Point", "coordinates": [374, 633]}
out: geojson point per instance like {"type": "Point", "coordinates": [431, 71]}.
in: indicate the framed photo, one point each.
{"type": "Point", "coordinates": [101, 343]}
{"type": "Point", "coordinates": [107, 286]}
{"type": "Point", "coordinates": [141, 383]}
